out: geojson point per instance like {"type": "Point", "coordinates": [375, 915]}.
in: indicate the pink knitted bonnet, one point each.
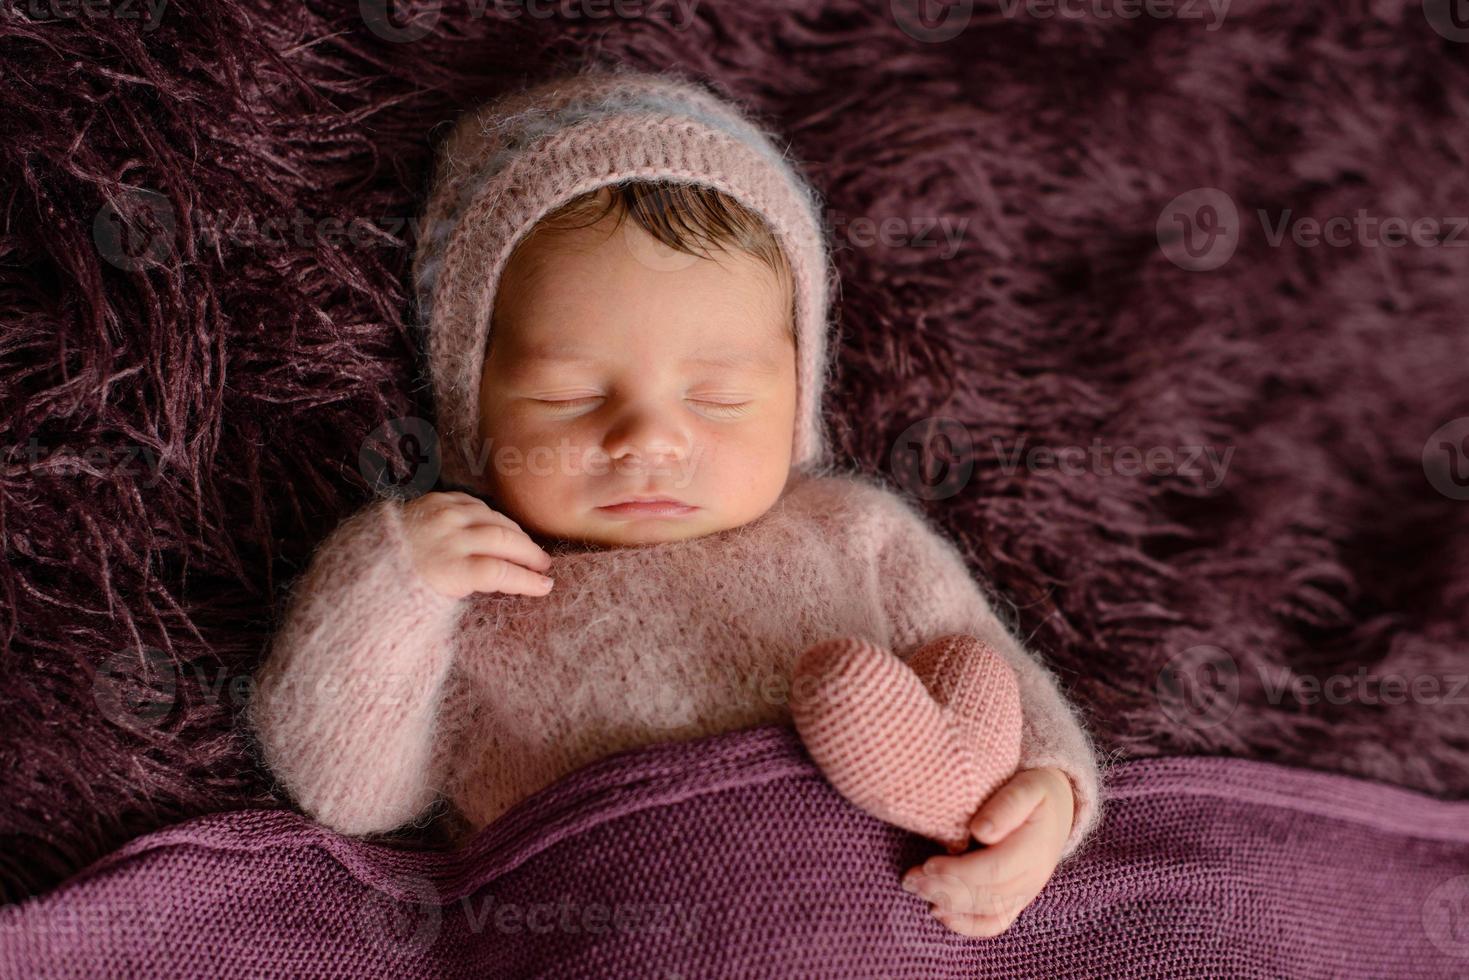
{"type": "Point", "coordinates": [510, 162]}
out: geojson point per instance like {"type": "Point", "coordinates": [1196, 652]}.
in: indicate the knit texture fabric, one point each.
{"type": "Point", "coordinates": [508, 163]}
{"type": "Point", "coordinates": [922, 743]}
{"type": "Point", "coordinates": [379, 694]}
{"type": "Point", "coordinates": [732, 857]}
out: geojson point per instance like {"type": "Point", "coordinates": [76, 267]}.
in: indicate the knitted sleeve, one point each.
{"type": "Point", "coordinates": [344, 707]}
{"type": "Point", "coordinates": [929, 592]}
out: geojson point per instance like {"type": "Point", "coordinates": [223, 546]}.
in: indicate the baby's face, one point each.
{"type": "Point", "coordinates": [621, 369]}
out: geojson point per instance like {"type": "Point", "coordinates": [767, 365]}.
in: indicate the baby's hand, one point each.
{"type": "Point", "coordinates": [460, 545]}
{"type": "Point", "coordinates": [982, 892]}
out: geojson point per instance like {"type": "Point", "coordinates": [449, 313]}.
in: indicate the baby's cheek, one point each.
{"type": "Point", "coordinates": [549, 458]}
{"type": "Point", "coordinates": [520, 458]}
{"type": "Point", "coordinates": [765, 445]}
{"type": "Point", "coordinates": [725, 452]}
{"type": "Point", "coordinates": [749, 466]}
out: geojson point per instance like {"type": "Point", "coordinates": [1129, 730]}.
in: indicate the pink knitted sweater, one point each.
{"type": "Point", "coordinates": [380, 693]}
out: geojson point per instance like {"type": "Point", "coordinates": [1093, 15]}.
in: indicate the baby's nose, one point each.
{"type": "Point", "coordinates": [661, 451]}
{"type": "Point", "coordinates": [648, 438]}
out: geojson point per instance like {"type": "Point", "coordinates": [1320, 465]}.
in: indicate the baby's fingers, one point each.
{"type": "Point", "coordinates": [495, 540]}
{"type": "Point", "coordinates": [975, 926]}
{"type": "Point", "coordinates": [953, 892]}
{"type": "Point", "coordinates": [1007, 809]}
{"type": "Point", "coordinates": [490, 574]}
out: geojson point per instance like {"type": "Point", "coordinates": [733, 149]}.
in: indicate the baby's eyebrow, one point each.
{"type": "Point", "coordinates": [556, 352]}
{"type": "Point", "coordinates": [753, 360]}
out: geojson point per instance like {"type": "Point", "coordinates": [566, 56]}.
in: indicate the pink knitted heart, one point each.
{"type": "Point", "coordinates": [920, 744]}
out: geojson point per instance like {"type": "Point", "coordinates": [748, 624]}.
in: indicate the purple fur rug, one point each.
{"type": "Point", "coordinates": [182, 400]}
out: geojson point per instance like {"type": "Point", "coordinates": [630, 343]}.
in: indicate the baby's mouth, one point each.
{"type": "Point", "coordinates": [634, 507]}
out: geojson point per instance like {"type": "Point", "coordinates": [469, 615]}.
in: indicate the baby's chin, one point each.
{"type": "Point", "coordinates": [570, 517]}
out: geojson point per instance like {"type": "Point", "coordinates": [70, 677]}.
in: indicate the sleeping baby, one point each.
{"type": "Point", "coordinates": [624, 286]}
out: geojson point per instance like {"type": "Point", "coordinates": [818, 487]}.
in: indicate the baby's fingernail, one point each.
{"type": "Point", "coordinates": [985, 829]}
{"type": "Point", "coordinates": [910, 884]}
{"type": "Point", "coordinates": [547, 582]}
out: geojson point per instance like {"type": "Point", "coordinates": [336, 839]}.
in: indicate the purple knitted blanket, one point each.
{"type": "Point", "coordinates": [730, 856]}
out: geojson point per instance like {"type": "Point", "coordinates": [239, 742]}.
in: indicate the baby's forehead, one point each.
{"type": "Point", "coordinates": [583, 322]}
{"type": "Point", "coordinates": [731, 354]}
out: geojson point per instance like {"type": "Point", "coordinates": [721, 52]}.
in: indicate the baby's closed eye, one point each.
{"type": "Point", "coordinates": [721, 404]}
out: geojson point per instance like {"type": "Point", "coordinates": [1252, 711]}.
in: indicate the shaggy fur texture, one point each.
{"type": "Point", "coordinates": [250, 368]}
